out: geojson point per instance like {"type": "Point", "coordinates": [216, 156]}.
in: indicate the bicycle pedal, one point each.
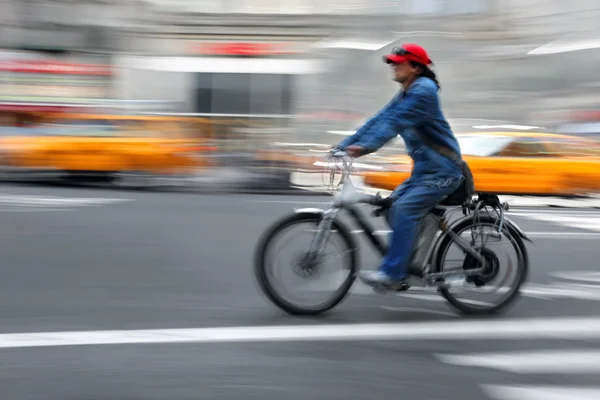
{"type": "Point", "coordinates": [402, 288]}
{"type": "Point", "coordinates": [414, 281]}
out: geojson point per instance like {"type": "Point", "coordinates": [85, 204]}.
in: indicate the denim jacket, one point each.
{"type": "Point", "coordinates": [417, 109]}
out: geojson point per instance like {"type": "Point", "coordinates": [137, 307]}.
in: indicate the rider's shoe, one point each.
{"type": "Point", "coordinates": [381, 279]}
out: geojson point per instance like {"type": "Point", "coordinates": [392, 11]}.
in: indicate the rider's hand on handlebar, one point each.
{"type": "Point", "coordinates": [355, 151]}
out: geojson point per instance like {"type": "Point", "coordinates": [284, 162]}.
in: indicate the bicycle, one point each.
{"type": "Point", "coordinates": [480, 266]}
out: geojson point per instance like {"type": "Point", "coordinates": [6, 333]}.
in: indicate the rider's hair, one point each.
{"type": "Point", "coordinates": [426, 72]}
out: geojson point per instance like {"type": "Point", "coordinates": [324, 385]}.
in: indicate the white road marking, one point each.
{"type": "Point", "coordinates": [532, 290]}
{"type": "Point", "coordinates": [497, 392]}
{"type": "Point", "coordinates": [25, 203]}
{"type": "Point", "coordinates": [579, 276]}
{"type": "Point", "coordinates": [427, 297]}
{"type": "Point", "coordinates": [586, 221]}
{"type": "Point", "coordinates": [32, 209]}
{"type": "Point", "coordinates": [524, 212]}
{"type": "Point", "coordinates": [579, 222]}
{"type": "Point", "coordinates": [551, 328]}
{"type": "Point", "coordinates": [541, 362]}
{"type": "Point", "coordinates": [422, 310]}
{"type": "Point", "coordinates": [565, 235]}
{"type": "Point", "coordinates": [56, 201]}
{"type": "Point", "coordinates": [552, 291]}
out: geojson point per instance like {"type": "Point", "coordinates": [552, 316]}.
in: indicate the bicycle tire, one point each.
{"type": "Point", "coordinates": [523, 267]}
{"type": "Point", "coordinates": [267, 288]}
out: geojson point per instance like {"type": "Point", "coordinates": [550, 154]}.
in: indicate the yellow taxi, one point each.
{"type": "Point", "coordinates": [103, 145]}
{"type": "Point", "coordinates": [517, 163]}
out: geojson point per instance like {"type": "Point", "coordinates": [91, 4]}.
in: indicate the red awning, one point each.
{"type": "Point", "coordinates": [46, 108]}
{"type": "Point", "coordinates": [55, 67]}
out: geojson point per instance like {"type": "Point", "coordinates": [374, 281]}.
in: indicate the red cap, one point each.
{"type": "Point", "coordinates": [408, 52]}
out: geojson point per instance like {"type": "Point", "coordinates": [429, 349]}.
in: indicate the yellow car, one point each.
{"type": "Point", "coordinates": [517, 163]}
{"type": "Point", "coordinates": [100, 147]}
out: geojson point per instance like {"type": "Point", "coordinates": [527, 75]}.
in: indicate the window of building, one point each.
{"type": "Point", "coordinates": [219, 93]}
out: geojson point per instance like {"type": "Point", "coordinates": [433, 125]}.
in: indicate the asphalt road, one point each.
{"type": "Point", "coordinates": [83, 268]}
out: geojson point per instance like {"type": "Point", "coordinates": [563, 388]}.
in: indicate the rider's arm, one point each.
{"type": "Point", "coordinates": [352, 139]}
{"type": "Point", "coordinates": [415, 108]}
{"type": "Point", "coordinates": [366, 127]}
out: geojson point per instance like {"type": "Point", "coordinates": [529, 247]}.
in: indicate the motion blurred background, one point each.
{"type": "Point", "coordinates": [253, 92]}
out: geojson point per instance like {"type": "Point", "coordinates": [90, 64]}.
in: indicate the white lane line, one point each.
{"type": "Point", "coordinates": [550, 211]}
{"type": "Point", "coordinates": [24, 200]}
{"type": "Point", "coordinates": [30, 210]}
{"type": "Point", "coordinates": [541, 362]}
{"type": "Point", "coordinates": [547, 292]}
{"type": "Point", "coordinates": [497, 392]}
{"type": "Point", "coordinates": [24, 203]}
{"type": "Point", "coordinates": [577, 221]}
{"type": "Point", "coordinates": [554, 328]}
{"type": "Point", "coordinates": [591, 277]}
{"type": "Point", "coordinates": [551, 292]}
{"type": "Point", "coordinates": [574, 235]}
{"type": "Point", "coordinates": [420, 310]}
{"type": "Point", "coordinates": [426, 297]}
{"type": "Point", "coordinates": [530, 290]}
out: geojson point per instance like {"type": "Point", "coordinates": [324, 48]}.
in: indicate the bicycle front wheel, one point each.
{"type": "Point", "coordinates": [329, 286]}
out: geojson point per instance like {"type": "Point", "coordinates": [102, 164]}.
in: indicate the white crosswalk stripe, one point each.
{"type": "Point", "coordinates": [25, 203]}
{"type": "Point", "coordinates": [496, 392]}
{"type": "Point", "coordinates": [589, 221]}
{"type": "Point", "coordinates": [559, 362]}
{"type": "Point", "coordinates": [541, 362]}
{"type": "Point", "coordinates": [592, 202]}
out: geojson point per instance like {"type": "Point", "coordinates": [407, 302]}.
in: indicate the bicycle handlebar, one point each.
{"type": "Point", "coordinates": [383, 203]}
{"type": "Point", "coordinates": [339, 154]}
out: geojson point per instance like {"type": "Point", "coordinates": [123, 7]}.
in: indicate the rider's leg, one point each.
{"type": "Point", "coordinates": [398, 193]}
{"type": "Point", "coordinates": [406, 213]}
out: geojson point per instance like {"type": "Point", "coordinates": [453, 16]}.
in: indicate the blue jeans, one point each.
{"type": "Point", "coordinates": [414, 199]}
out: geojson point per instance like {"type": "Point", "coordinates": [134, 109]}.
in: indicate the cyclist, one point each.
{"type": "Point", "coordinates": [415, 114]}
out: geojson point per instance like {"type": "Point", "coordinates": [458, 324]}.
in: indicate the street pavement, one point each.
{"type": "Point", "coordinates": [122, 294]}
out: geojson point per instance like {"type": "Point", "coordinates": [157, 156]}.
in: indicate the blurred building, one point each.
{"type": "Point", "coordinates": [90, 26]}
{"type": "Point", "coordinates": [495, 58]}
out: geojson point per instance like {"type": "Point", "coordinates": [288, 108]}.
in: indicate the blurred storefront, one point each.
{"type": "Point", "coordinates": [35, 88]}
{"type": "Point", "coordinates": [303, 68]}
{"type": "Point", "coordinates": [248, 81]}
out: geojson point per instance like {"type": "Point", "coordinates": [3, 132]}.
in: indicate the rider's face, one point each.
{"type": "Point", "coordinates": [404, 72]}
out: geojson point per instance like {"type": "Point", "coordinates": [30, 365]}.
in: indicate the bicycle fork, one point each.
{"type": "Point", "coordinates": [322, 234]}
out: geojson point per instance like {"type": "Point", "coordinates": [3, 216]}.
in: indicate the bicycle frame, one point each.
{"type": "Point", "coordinates": [345, 200]}
{"type": "Point", "coordinates": [427, 268]}
{"type": "Point", "coordinates": [349, 197]}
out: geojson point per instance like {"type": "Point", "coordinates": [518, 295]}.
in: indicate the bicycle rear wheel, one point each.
{"type": "Point", "coordinates": [487, 281]}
